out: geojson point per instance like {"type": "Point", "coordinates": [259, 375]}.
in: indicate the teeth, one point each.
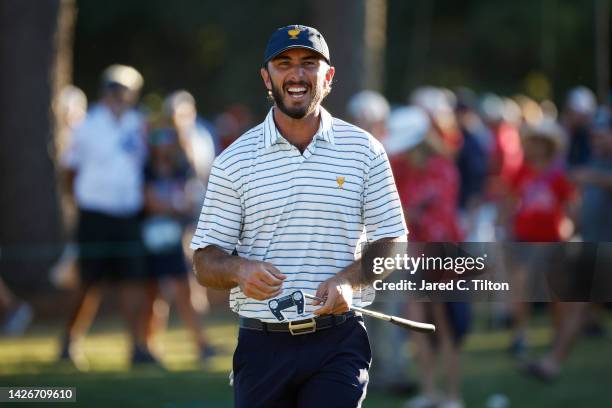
{"type": "Point", "coordinates": [295, 89]}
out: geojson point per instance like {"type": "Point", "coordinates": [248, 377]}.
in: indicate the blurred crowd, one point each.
{"type": "Point", "coordinates": [488, 168]}
{"type": "Point", "coordinates": [468, 167]}
{"type": "Point", "coordinates": [479, 157]}
{"type": "Point", "coordinates": [136, 179]}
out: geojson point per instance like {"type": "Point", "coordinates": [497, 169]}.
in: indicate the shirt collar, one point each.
{"type": "Point", "coordinates": [273, 136]}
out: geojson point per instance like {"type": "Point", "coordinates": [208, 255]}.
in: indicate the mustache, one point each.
{"type": "Point", "coordinates": [296, 83]}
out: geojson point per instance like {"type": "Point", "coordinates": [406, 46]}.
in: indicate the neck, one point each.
{"type": "Point", "coordinates": [299, 132]}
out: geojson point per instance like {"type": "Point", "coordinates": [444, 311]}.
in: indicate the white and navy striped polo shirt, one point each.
{"type": "Point", "coordinates": [303, 213]}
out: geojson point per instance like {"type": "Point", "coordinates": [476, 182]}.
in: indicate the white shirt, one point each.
{"type": "Point", "coordinates": [304, 213]}
{"type": "Point", "coordinates": [108, 155]}
{"type": "Point", "coordinates": [202, 152]}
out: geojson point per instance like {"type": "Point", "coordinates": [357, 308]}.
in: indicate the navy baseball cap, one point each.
{"type": "Point", "coordinates": [295, 36]}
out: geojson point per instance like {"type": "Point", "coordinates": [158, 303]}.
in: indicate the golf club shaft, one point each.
{"type": "Point", "coordinates": [405, 323]}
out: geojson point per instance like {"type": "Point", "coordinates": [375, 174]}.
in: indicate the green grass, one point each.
{"type": "Point", "coordinates": [30, 361]}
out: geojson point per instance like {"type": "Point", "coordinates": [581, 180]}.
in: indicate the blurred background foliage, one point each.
{"type": "Point", "coordinates": [214, 48]}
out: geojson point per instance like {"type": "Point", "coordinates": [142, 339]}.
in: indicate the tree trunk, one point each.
{"type": "Point", "coordinates": [32, 70]}
{"type": "Point", "coordinates": [355, 33]}
{"type": "Point", "coordinates": [375, 44]}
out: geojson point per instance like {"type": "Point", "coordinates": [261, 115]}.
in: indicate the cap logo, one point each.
{"type": "Point", "coordinates": [294, 33]}
{"type": "Point", "coordinates": [340, 181]}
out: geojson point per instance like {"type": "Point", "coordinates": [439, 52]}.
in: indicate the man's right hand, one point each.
{"type": "Point", "coordinates": [260, 280]}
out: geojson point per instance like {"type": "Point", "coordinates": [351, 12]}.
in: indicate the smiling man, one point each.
{"type": "Point", "coordinates": [285, 208]}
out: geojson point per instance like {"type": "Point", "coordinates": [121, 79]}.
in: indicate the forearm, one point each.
{"type": "Point", "coordinates": [214, 268]}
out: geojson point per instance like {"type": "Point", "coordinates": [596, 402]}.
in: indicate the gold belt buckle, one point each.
{"type": "Point", "coordinates": [297, 327]}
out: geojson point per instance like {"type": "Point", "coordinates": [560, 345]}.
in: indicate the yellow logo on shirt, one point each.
{"type": "Point", "coordinates": [340, 181]}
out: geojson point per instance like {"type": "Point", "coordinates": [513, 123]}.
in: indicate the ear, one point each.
{"type": "Point", "coordinates": [265, 75]}
{"type": "Point", "coordinates": [329, 75]}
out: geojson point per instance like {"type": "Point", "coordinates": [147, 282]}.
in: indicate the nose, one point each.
{"type": "Point", "coordinates": [297, 73]}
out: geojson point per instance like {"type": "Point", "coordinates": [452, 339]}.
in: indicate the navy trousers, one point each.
{"type": "Point", "coordinates": [328, 368]}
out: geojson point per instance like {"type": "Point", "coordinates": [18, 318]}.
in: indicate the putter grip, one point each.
{"type": "Point", "coordinates": [416, 326]}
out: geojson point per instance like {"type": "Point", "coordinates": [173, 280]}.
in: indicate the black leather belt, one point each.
{"type": "Point", "coordinates": [298, 327]}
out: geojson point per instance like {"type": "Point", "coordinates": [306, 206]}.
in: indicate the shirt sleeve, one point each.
{"type": "Point", "coordinates": [382, 213]}
{"type": "Point", "coordinates": [220, 221]}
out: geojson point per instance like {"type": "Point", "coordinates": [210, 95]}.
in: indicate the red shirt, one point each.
{"type": "Point", "coordinates": [542, 197]}
{"type": "Point", "coordinates": [506, 159]}
{"type": "Point", "coordinates": [510, 152]}
{"type": "Point", "coordinates": [429, 198]}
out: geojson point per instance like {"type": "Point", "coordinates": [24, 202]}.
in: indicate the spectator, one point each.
{"type": "Point", "coordinates": [200, 144]}
{"type": "Point", "coordinates": [438, 103]}
{"type": "Point", "coordinates": [71, 108]}
{"type": "Point", "coordinates": [193, 135]}
{"type": "Point", "coordinates": [369, 110]}
{"type": "Point", "coordinates": [541, 187]}
{"type": "Point", "coordinates": [427, 183]}
{"type": "Point", "coordinates": [472, 163]}
{"type": "Point", "coordinates": [542, 197]}
{"type": "Point", "coordinates": [577, 116]}
{"type": "Point", "coordinates": [169, 208]}
{"type": "Point", "coordinates": [502, 117]}
{"type": "Point", "coordinates": [595, 179]}
{"type": "Point", "coordinates": [104, 162]}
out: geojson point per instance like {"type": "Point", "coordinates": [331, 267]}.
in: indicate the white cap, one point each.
{"type": "Point", "coordinates": [368, 106]}
{"type": "Point", "coordinates": [408, 127]}
{"type": "Point", "coordinates": [491, 107]}
{"type": "Point", "coordinates": [176, 99]}
{"type": "Point", "coordinates": [123, 75]}
{"type": "Point", "coordinates": [512, 112]}
{"type": "Point", "coordinates": [435, 101]}
{"type": "Point", "coordinates": [582, 100]}
{"type": "Point", "coordinates": [547, 129]}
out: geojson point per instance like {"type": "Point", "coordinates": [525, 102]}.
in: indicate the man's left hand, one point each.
{"type": "Point", "coordinates": [338, 294]}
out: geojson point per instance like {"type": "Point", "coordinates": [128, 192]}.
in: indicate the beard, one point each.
{"type": "Point", "coordinates": [297, 112]}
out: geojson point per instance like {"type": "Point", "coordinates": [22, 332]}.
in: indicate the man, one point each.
{"type": "Point", "coordinates": [579, 112]}
{"type": "Point", "coordinates": [595, 178]}
{"type": "Point", "coordinates": [590, 270]}
{"type": "Point", "coordinates": [291, 197]}
{"type": "Point", "coordinates": [370, 111]}
{"type": "Point", "coordinates": [194, 137]}
{"type": "Point", "coordinates": [104, 162]}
